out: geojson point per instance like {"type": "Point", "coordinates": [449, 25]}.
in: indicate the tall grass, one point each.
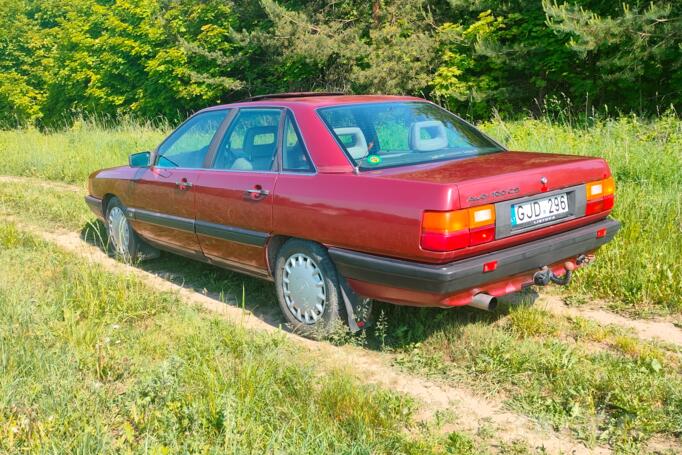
{"type": "Point", "coordinates": [70, 155]}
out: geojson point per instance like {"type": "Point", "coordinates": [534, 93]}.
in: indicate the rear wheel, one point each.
{"type": "Point", "coordinates": [308, 288]}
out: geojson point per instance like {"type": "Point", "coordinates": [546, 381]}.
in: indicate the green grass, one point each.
{"type": "Point", "coordinates": [45, 207]}
{"type": "Point", "coordinates": [71, 155]}
{"type": "Point", "coordinates": [92, 362]}
{"type": "Point", "coordinates": [603, 383]}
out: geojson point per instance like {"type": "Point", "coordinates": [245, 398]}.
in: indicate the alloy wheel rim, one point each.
{"type": "Point", "coordinates": [303, 289]}
{"type": "Point", "coordinates": [119, 233]}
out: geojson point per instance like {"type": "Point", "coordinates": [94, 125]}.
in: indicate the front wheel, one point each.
{"type": "Point", "coordinates": [123, 242]}
{"type": "Point", "coordinates": [308, 288]}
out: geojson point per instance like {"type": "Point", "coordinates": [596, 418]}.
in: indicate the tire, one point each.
{"type": "Point", "coordinates": [308, 288]}
{"type": "Point", "coordinates": [123, 242]}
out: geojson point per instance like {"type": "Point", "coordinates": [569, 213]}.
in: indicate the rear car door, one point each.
{"type": "Point", "coordinates": [234, 196]}
{"type": "Point", "coordinates": [163, 208]}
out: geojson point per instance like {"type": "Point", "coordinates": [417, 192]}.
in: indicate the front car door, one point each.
{"type": "Point", "coordinates": [234, 196]}
{"type": "Point", "coordinates": [163, 208]}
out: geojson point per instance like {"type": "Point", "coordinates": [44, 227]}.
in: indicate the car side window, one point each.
{"type": "Point", "coordinates": [251, 141]}
{"type": "Point", "coordinates": [295, 158]}
{"type": "Point", "coordinates": [187, 146]}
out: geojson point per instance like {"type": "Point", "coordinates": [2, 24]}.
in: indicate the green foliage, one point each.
{"type": "Point", "coordinates": [382, 47]}
{"type": "Point", "coordinates": [634, 50]}
{"type": "Point", "coordinates": [165, 58]}
{"type": "Point", "coordinates": [112, 58]}
{"type": "Point", "coordinates": [22, 50]}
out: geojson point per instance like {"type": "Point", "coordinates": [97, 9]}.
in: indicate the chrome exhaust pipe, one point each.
{"type": "Point", "coordinates": [484, 301]}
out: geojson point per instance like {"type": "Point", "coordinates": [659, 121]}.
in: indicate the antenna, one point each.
{"type": "Point", "coordinates": [292, 95]}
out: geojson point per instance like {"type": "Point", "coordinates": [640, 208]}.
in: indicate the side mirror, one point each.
{"type": "Point", "coordinates": [141, 159]}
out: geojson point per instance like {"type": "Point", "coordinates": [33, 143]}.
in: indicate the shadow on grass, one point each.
{"type": "Point", "coordinates": [231, 288]}
{"type": "Point", "coordinates": [396, 327]}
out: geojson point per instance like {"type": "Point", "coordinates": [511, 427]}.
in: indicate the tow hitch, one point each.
{"type": "Point", "coordinates": [545, 275]}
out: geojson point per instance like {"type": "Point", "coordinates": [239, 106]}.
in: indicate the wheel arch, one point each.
{"type": "Point", "coordinates": [105, 202]}
{"type": "Point", "coordinates": [274, 245]}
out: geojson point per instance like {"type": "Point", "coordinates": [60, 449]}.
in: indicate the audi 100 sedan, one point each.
{"type": "Point", "coordinates": [341, 200]}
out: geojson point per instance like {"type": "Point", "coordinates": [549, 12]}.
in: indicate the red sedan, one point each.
{"type": "Point", "coordinates": [343, 199]}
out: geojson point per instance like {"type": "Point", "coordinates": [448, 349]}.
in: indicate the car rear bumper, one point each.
{"type": "Point", "coordinates": [448, 279]}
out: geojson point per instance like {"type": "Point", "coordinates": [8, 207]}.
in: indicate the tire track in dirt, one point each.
{"type": "Point", "coordinates": [471, 411]}
{"type": "Point", "coordinates": [49, 184]}
{"type": "Point", "coordinates": [645, 329]}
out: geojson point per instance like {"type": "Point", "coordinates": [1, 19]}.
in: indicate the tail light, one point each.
{"type": "Point", "coordinates": [600, 196]}
{"type": "Point", "coordinates": [447, 231]}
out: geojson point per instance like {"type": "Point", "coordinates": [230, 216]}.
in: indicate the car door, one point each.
{"type": "Point", "coordinates": [164, 205]}
{"type": "Point", "coordinates": [234, 196]}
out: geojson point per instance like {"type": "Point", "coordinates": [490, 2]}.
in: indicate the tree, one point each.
{"type": "Point", "coordinates": [637, 52]}
{"type": "Point", "coordinates": [23, 52]}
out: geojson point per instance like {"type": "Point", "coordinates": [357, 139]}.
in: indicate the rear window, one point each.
{"type": "Point", "coordinates": [390, 134]}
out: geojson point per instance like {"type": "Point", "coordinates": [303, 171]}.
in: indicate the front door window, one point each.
{"type": "Point", "coordinates": [188, 145]}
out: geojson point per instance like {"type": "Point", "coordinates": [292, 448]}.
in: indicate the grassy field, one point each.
{"type": "Point", "coordinates": [92, 362]}
{"type": "Point", "coordinates": [71, 155]}
{"type": "Point", "coordinates": [637, 273]}
{"type": "Point", "coordinates": [602, 383]}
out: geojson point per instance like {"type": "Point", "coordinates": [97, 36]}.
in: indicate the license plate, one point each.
{"type": "Point", "coordinates": [539, 211]}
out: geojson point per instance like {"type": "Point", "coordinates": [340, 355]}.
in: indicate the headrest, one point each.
{"type": "Point", "coordinates": [357, 145]}
{"type": "Point", "coordinates": [428, 136]}
{"type": "Point", "coordinates": [242, 164]}
{"type": "Point", "coordinates": [260, 141]}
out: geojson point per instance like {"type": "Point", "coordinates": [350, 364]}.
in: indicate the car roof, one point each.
{"type": "Point", "coordinates": [315, 101]}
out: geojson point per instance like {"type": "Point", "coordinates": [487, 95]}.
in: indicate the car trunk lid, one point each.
{"type": "Point", "coordinates": [497, 177]}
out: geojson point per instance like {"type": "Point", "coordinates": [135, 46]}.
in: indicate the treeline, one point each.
{"type": "Point", "coordinates": [165, 58]}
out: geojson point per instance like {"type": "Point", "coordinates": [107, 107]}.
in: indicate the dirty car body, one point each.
{"type": "Point", "coordinates": [413, 205]}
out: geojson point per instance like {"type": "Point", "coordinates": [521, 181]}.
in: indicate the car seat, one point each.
{"type": "Point", "coordinates": [428, 136]}
{"type": "Point", "coordinates": [358, 148]}
{"type": "Point", "coordinates": [262, 154]}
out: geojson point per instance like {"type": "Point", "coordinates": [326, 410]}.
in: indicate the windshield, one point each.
{"type": "Point", "coordinates": [402, 133]}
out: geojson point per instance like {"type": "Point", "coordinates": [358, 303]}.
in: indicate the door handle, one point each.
{"type": "Point", "coordinates": [183, 184]}
{"type": "Point", "coordinates": [257, 193]}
